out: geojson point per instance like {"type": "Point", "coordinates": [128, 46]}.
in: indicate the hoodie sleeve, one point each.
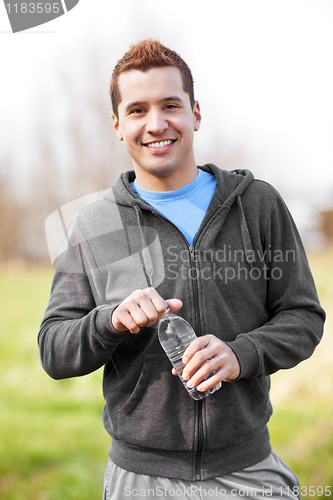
{"type": "Point", "coordinates": [297, 319]}
{"type": "Point", "coordinates": [76, 336]}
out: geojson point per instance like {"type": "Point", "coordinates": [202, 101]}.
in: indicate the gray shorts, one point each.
{"type": "Point", "coordinates": [270, 478]}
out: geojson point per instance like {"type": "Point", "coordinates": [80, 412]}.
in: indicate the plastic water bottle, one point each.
{"type": "Point", "coordinates": [175, 335]}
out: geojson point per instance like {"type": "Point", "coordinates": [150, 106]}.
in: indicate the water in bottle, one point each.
{"type": "Point", "coordinates": [175, 335]}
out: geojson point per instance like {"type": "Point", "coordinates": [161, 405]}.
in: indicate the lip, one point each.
{"type": "Point", "coordinates": [162, 149]}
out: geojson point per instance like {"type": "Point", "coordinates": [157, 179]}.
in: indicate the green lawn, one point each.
{"type": "Point", "coordinates": [302, 424]}
{"type": "Point", "coordinates": [52, 442]}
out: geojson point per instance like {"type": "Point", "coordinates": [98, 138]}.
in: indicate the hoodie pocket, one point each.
{"type": "Point", "coordinates": [244, 409]}
{"type": "Point", "coordinates": [140, 387]}
{"type": "Point", "coordinates": [260, 390]}
{"type": "Point", "coordinates": [159, 413]}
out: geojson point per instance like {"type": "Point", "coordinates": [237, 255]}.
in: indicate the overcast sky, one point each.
{"type": "Point", "coordinates": [262, 69]}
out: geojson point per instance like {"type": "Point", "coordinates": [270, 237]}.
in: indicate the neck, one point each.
{"type": "Point", "coordinates": [171, 182]}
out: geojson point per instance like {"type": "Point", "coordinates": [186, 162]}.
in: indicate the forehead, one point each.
{"type": "Point", "coordinates": [151, 85]}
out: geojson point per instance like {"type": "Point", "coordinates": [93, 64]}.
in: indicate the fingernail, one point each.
{"type": "Point", "coordinates": [185, 360]}
{"type": "Point", "coordinates": [185, 376]}
{"type": "Point", "coordinates": [190, 384]}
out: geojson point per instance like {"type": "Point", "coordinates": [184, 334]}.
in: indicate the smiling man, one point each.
{"type": "Point", "coordinates": [156, 120]}
{"type": "Point", "coordinates": [200, 240]}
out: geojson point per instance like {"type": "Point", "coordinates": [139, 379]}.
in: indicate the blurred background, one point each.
{"type": "Point", "coordinates": [263, 77]}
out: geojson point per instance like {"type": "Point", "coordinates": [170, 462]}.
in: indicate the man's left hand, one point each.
{"type": "Point", "coordinates": [204, 355]}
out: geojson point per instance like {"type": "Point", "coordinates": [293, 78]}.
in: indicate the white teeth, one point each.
{"type": "Point", "coordinates": [159, 144]}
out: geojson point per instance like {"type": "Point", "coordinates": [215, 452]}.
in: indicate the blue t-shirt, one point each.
{"type": "Point", "coordinates": [185, 207]}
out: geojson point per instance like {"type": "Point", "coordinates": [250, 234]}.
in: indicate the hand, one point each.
{"type": "Point", "coordinates": [205, 354]}
{"type": "Point", "coordinates": [142, 308]}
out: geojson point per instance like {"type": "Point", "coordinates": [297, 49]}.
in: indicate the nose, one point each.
{"type": "Point", "coordinates": [156, 122]}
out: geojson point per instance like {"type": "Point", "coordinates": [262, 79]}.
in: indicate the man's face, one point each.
{"type": "Point", "coordinates": [157, 124]}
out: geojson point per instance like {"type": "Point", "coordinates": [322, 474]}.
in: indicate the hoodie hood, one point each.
{"type": "Point", "coordinates": [230, 187]}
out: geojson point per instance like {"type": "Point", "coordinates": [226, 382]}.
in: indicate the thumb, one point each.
{"type": "Point", "coordinates": [174, 304]}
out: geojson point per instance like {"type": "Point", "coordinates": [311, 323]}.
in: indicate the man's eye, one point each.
{"type": "Point", "coordinates": [171, 106]}
{"type": "Point", "coordinates": [137, 111]}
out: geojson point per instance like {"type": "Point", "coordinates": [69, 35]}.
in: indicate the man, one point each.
{"type": "Point", "coordinates": [217, 246]}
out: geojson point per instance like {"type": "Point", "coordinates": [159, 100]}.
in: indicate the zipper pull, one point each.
{"type": "Point", "coordinates": [192, 254]}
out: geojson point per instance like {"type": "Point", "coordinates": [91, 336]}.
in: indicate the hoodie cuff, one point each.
{"type": "Point", "coordinates": [247, 356]}
{"type": "Point", "coordinates": [106, 334]}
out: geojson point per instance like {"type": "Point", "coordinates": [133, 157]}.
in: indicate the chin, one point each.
{"type": "Point", "coordinates": [161, 170]}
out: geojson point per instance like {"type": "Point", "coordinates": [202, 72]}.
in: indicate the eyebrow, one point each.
{"type": "Point", "coordinates": [142, 103]}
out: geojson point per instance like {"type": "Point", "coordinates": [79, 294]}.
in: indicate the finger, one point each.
{"type": "Point", "coordinates": [196, 345]}
{"type": "Point", "coordinates": [211, 382]}
{"type": "Point", "coordinates": [198, 352]}
{"type": "Point", "coordinates": [150, 296]}
{"type": "Point", "coordinates": [158, 303]}
{"type": "Point", "coordinates": [225, 367]}
{"type": "Point", "coordinates": [226, 373]}
{"type": "Point", "coordinates": [174, 304]}
{"type": "Point", "coordinates": [145, 313]}
{"type": "Point", "coordinates": [129, 316]}
{"type": "Point", "coordinates": [214, 356]}
{"type": "Point", "coordinates": [146, 306]}
{"type": "Point", "coordinates": [123, 321]}
{"type": "Point", "coordinates": [205, 369]}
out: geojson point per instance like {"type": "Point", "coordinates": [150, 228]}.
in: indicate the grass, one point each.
{"type": "Point", "coordinates": [52, 442]}
{"type": "Point", "coordinates": [302, 424]}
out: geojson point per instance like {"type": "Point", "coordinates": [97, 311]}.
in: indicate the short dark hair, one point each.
{"type": "Point", "coordinates": [145, 55]}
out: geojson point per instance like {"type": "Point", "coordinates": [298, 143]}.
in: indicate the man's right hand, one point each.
{"type": "Point", "coordinates": [142, 308]}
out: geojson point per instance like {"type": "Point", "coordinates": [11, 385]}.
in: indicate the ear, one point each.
{"type": "Point", "coordinates": [197, 115]}
{"type": "Point", "coordinates": [116, 126]}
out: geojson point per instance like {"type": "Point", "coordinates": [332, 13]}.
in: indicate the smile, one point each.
{"type": "Point", "coordinates": [161, 144]}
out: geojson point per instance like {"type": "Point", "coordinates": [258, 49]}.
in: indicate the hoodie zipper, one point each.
{"type": "Point", "coordinates": [195, 287]}
{"type": "Point", "coordinates": [197, 328]}
{"type": "Point", "coordinates": [200, 402]}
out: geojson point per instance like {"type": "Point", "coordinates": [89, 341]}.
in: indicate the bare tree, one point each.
{"type": "Point", "coordinates": [76, 150]}
{"type": "Point", "coordinates": [10, 216]}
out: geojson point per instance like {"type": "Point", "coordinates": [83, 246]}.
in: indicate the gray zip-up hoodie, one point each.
{"type": "Point", "coordinates": [245, 280]}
